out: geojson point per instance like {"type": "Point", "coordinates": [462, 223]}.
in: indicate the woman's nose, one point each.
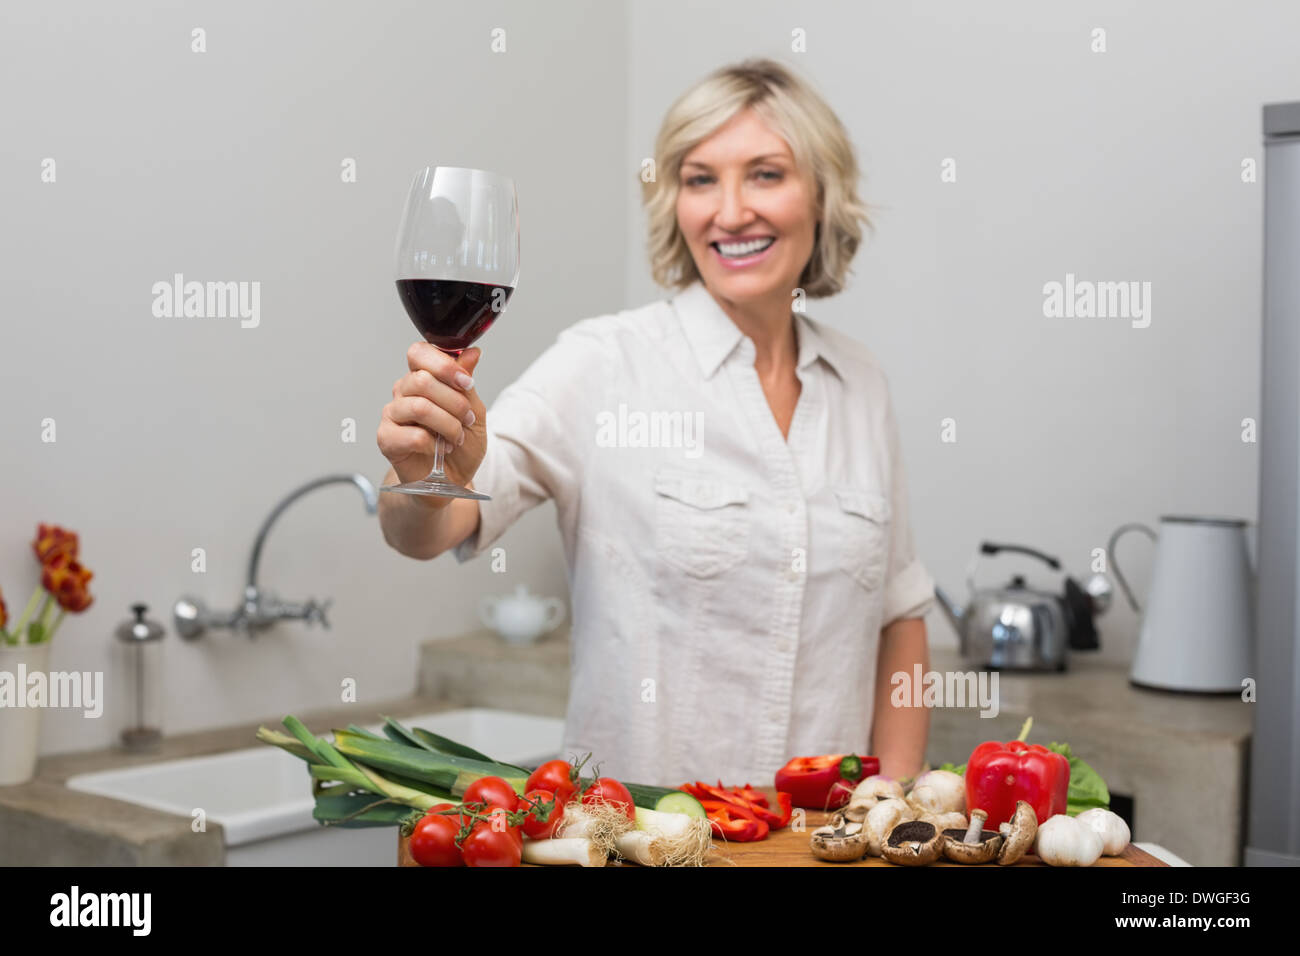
{"type": "Point", "coordinates": [732, 211]}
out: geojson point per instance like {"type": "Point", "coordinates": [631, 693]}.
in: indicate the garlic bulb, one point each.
{"type": "Point", "coordinates": [1112, 829]}
{"type": "Point", "coordinates": [1064, 841]}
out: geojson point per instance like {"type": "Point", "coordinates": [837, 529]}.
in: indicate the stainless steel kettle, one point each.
{"type": "Point", "coordinates": [1016, 628]}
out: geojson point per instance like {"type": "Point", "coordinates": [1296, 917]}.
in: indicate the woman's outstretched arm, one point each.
{"type": "Point", "coordinates": [899, 734]}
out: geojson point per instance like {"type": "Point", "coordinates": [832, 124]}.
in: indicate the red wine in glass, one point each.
{"type": "Point", "coordinates": [457, 266]}
{"type": "Point", "coordinates": [452, 314]}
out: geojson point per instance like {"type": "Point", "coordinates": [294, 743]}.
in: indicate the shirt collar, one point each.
{"type": "Point", "coordinates": [713, 336]}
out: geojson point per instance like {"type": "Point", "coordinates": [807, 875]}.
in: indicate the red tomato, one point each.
{"type": "Point", "coordinates": [613, 792]}
{"type": "Point", "coordinates": [555, 776]}
{"type": "Point", "coordinates": [486, 846]}
{"type": "Point", "coordinates": [492, 792]}
{"type": "Point", "coordinates": [503, 826]}
{"type": "Point", "coordinates": [433, 841]}
{"type": "Point", "coordinates": [544, 800]}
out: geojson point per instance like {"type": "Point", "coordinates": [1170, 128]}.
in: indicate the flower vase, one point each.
{"type": "Point", "coordinates": [20, 725]}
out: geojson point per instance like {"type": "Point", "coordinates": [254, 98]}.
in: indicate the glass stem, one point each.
{"type": "Point", "coordinates": [437, 472]}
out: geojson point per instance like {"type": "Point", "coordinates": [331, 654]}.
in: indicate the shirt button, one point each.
{"type": "Point", "coordinates": [792, 507]}
{"type": "Point", "coordinates": [792, 574]}
{"type": "Point", "coordinates": [783, 647]}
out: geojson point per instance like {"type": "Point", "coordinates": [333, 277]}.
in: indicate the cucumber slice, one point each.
{"type": "Point", "coordinates": [678, 801]}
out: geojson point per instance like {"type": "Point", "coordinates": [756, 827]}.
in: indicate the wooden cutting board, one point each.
{"type": "Point", "coordinates": [787, 847]}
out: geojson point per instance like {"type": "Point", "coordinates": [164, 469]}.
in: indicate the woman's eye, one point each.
{"type": "Point", "coordinates": [770, 175]}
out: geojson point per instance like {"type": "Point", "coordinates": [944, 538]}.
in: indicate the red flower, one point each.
{"type": "Point", "coordinates": [52, 541]}
{"type": "Point", "coordinates": [66, 580]}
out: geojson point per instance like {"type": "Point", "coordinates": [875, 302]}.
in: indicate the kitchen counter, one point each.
{"type": "Point", "coordinates": [789, 847]}
{"type": "Point", "coordinates": [1180, 758]}
{"type": "Point", "coordinates": [43, 823]}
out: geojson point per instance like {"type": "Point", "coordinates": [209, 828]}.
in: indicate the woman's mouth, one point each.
{"type": "Point", "coordinates": [738, 255]}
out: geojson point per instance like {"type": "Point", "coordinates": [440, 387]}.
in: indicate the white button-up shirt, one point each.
{"type": "Point", "coordinates": [728, 585]}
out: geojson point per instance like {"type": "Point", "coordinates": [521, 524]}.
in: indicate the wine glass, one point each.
{"type": "Point", "coordinates": [457, 265]}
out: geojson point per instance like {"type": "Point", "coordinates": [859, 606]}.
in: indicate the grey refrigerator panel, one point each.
{"type": "Point", "coordinates": [1273, 827]}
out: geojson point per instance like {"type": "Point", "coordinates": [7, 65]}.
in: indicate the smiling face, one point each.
{"type": "Point", "coordinates": [746, 212]}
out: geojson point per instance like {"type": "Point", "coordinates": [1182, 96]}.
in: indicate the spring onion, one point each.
{"type": "Point", "coordinates": [566, 851]}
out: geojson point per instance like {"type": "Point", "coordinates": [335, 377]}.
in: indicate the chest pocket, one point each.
{"type": "Point", "coordinates": [863, 537]}
{"type": "Point", "coordinates": [702, 524]}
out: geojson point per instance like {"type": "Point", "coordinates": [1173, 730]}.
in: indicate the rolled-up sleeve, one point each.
{"type": "Point", "coordinates": [909, 588]}
{"type": "Point", "coordinates": [534, 445]}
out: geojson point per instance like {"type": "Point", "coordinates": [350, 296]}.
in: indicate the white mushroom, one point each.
{"type": "Point", "coordinates": [868, 793]}
{"type": "Point", "coordinates": [882, 818]}
{"type": "Point", "coordinates": [945, 821]}
{"type": "Point", "coordinates": [840, 842]}
{"type": "Point", "coordinates": [939, 791]}
{"type": "Point", "coordinates": [1018, 833]}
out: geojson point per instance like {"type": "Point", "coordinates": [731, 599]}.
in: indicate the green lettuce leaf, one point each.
{"type": "Point", "coordinates": [1087, 789]}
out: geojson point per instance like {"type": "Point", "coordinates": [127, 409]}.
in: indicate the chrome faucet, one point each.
{"type": "Point", "coordinates": [260, 610]}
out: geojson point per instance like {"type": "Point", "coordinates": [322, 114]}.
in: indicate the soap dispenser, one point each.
{"type": "Point", "coordinates": [141, 658]}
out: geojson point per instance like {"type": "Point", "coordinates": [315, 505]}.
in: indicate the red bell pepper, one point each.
{"type": "Point", "coordinates": [999, 774]}
{"type": "Point", "coordinates": [824, 783]}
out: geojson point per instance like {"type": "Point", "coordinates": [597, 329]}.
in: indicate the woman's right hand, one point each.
{"type": "Point", "coordinates": [436, 397]}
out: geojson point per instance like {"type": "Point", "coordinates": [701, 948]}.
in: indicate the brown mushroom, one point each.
{"type": "Point", "coordinates": [974, 844]}
{"type": "Point", "coordinates": [1020, 834]}
{"type": "Point", "coordinates": [840, 842]}
{"type": "Point", "coordinates": [913, 843]}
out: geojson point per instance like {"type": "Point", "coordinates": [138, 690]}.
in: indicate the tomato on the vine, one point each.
{"type": "Point", "coordinates": [489, 846]}
{"type": "Point", "coordinates": [543, 800]}
{"type": "Point", "coordinates": [611, 791]}
{"type": "Point", "coordinates": [491, 792]}
{"type": "Point", "coordinates": [555, 776]}
{"type": "Point", "coordinates": [433, 840]}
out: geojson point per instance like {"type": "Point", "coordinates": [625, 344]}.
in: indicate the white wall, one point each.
{"type": "Point", "coordinates": [1117, 166]}
{"type": "Point", "coordinates": [175, 434]}
{"type": "Point", "coordinates": [181, 433]}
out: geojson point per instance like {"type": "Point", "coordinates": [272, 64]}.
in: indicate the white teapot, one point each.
{"type": "Point", "coordinates": [522, 617]}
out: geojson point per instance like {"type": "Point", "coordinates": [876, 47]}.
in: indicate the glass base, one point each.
{"type": "Point", "coordinates": [434, 486]}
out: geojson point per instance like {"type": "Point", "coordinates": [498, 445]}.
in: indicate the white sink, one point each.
{"type": "Point", "coordinates": [261, 796]}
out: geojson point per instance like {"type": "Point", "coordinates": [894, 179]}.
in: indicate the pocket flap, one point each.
{"type": "Point", "coordinates": [870, 505]}
{"type": "Point", "coordinates": [700, 492]}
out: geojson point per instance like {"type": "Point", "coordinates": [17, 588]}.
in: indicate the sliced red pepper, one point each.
{"type": "Point", "coordinates": [787, 808]}
{"type": "Point", "coordinates": [723, 794]}
{"type": "Point", "coordinates": [750, 794]}
{"type": "Point", "coordinates": [740, 830]}
{"type": "Point", "coordinates": [773, 820]}
{"type": "Point", "coordinates": [745, 811]}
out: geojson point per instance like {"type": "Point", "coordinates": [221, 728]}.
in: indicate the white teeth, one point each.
{"type": "Point", "coordinates": [734, 250]}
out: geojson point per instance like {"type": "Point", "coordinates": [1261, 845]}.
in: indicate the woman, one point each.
{"type": "Point", "coordinates": [726, 471]}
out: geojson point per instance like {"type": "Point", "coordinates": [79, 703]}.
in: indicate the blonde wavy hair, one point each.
{"type": "Point", "coordinates": [816, 137]}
